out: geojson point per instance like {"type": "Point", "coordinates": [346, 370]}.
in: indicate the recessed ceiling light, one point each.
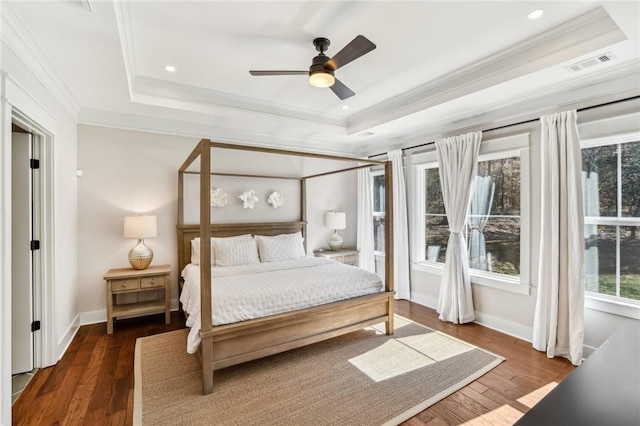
{"type": "Point", "coordinates": [345, 106]}
{"type": "Point", "coordinates": [535, 14]}
{"type": "Point", "coordinates": [170, 68]}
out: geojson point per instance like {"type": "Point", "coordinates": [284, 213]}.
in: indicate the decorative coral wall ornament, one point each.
{"type": "Point", "coordinates": [275, 199]}
{"type": "Point", "coordinates": [218, 197]}
{"type": "Point", "coordinates": [249, 199]}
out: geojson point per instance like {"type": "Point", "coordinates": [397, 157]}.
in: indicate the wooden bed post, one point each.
{"type": "Point", "coordinates": [205, 264]}
{"type": "Point", "coordinates": [303, 211]}
{"type": "Point", "coordinates": [388, 242]}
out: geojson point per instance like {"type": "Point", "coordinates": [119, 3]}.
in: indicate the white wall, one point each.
{"type": "Point", "coordinates": [127, 172]}
{"type": "Point", "coordinates": [22, 91]}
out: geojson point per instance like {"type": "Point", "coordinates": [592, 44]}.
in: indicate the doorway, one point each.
{"type": "Point", "coordinates": [22, 194]}
{"type": "Point", "coordinates": [25, 254]}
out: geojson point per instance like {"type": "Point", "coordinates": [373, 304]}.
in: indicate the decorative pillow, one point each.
{"type": "Point", "coordinates": [236, 252]}
{"type": "Point", "coordinates": [280, 247]}
{"type": "Point", "coordinates": [195, 247]}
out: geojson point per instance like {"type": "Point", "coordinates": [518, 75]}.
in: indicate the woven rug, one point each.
{"type": "Point", "coordinates": [362, 378]}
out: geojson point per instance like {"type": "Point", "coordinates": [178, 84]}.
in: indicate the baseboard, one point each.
{"type": "Point", "coordinates": [93, 317]}
{"type": "Point", "coordinates": [67, 338]}
{"type": "Point", "coordinates": [421, 299]}
{"type": "Point", "coordinates": [510, 328]}
{"type": "Point", "coordinates": [587, 351]}
{"type": "Point", "coordinates": [503, 326]}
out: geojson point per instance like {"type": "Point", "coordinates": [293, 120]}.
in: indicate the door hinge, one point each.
{"type": "Point", "coordinates": [34, 163]}
{"type": "Point", "coordinates": [35, 326]}
{"type": "Point", "coordinates": [35, 245]}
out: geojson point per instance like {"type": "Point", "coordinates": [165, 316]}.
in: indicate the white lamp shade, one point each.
{"type": "Point", "coordinates": [140, 226]}
{"type": "Point", "coordinates": [336, 220]}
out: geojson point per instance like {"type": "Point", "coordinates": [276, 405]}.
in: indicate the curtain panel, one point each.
{"type": "Point", "coordinates": [458, 164]}
{"type": "Point", "coordinates": [365, 245]}
{"type": "Point", "coordinates": [400, 228]}
{"type": "Point", "coordinates": [479, 211]}
{"type": "Point", "coordinates": [558, 326]}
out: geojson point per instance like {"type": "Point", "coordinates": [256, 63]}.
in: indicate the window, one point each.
{"type": "Point", "coordinates": [611, 190]}
{"type": "Point", "coordinates": [378, 211]}
{"type": "Point", "coordinates": [493, 226]}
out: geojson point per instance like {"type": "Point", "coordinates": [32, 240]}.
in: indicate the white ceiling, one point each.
{"type": "Point", "coordinates": [438, 66]}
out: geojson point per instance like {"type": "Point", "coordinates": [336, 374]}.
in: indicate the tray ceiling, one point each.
{"type": "Point", "coordinates": [438, 66]}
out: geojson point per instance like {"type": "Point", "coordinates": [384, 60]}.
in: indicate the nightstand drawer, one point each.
{"type": "Point", "coordinates": [350, 259]}
{"type": "Point", "coordinates": [151, 282]}
{"type": "Point", "coordinates": [125, 284]}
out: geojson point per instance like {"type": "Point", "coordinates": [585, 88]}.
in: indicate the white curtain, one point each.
{"type": "Point", "coordinates": [400, 229]}
{"type": "Point", "coordinates": [458, 164]}
{"type": "Point", "coordinates": [591, 196]}
{"type": "Point", "coordinates": [366, 258]}
{"type": "Point", "coordinates": [481, 202]}
{"type": "Point", "coordinates": [558, 326]}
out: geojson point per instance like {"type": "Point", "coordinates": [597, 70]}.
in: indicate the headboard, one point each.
{"type": "Point", "coordinates": [186, 233]}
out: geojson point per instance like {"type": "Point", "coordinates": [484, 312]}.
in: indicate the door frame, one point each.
{"type": "Point", "coordinates": [42, 271]}
{"type": "Point", "coordinates": [18, 105]}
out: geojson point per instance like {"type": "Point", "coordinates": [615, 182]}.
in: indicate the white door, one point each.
{"type": "Point", "coordinates": [21, 255]}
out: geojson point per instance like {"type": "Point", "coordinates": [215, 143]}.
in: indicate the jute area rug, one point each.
{"type": "Point", "coordinates": [362, 378]}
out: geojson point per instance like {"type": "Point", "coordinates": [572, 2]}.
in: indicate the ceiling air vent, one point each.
{"type": "Point", "coordinates": [596, 60]}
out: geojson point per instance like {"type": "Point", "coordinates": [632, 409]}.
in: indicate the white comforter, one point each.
{"type": "Point", "coordinates": [245, 292]}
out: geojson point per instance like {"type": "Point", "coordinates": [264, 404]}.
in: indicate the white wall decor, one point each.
{"type": "Point", "coordinates": [249, 199]}
{"type": "Point", "coordinates": [218, 198]}
{"type": "Point", "coordinates": [275, 199]}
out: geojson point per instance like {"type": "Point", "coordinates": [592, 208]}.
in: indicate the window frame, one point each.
{"type": "Point", "coordinates": [599, 301]}
{"type": "Point", "coordinates": [510, 146]}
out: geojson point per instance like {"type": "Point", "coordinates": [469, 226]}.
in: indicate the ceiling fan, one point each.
{"type": "Point", "coordinates": [322, 68]}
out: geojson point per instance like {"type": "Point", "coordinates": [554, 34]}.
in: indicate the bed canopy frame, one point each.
{"type": "Point", "coordinates": [226, 345]}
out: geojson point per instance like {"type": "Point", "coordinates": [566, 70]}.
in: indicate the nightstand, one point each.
{"type": "Point", "coordinates": [346, 256]}
{"type": "Point", "coordinates": [129, 281]}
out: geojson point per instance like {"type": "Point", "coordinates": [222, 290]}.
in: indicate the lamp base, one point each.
{"type": "Point", "coordinates": [140, 256]}
{"type": "Point", "coordinates": [335, 241]}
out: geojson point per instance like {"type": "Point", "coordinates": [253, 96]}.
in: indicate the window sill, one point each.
{"type": "Point", "coordinates": [512, 285]}
{"type": "Point", "coordinates": [616, 307]}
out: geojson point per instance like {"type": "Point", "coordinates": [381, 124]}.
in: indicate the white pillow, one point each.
{"type": "Point", "coordinates": [236, 252]}
{"type": "Point", "coordinates": [195, 247]}
{"type": "Point", "coordinates": [280, 247]}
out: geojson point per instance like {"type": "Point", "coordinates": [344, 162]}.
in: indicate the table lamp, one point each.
{"type": "Point", "coordinates": [335, 221]}
{"type": "Point", "coordinates": [140, 227]}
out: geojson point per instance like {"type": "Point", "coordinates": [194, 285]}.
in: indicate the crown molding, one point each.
{"type": "Point", "coordinates": [17, 37]}
{"type": "Point", "coordinates": [243, 136]}
{"type": "Point", "coordinates": [122, 10]}
{"type": "Point", "coordinates": [175, 95]}
{"type": "Point", "coordinates": [584, 34]}
{"type": "Point", "coordinates": [615, 83]}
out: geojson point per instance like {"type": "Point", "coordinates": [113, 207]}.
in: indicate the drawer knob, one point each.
{"type": "Point", "coordinates": [124, 284]}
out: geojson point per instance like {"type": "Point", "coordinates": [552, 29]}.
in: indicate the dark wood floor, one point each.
{"type": "Point", "coordinates": [93, 382]}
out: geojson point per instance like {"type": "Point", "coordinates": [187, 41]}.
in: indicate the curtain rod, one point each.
{"type": "Point", "coordinates": [517, 124]}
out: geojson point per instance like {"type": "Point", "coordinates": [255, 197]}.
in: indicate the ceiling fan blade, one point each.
{"type": "Point", "coordinates": [341, 91]}
{"type": "Point", "coordinates": [261, 73]}
{"type": "Point", "coordinates": [359, 46]}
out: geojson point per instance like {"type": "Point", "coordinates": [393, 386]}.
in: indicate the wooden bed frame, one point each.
{"type": "Point", "coordinates": [231, 344]}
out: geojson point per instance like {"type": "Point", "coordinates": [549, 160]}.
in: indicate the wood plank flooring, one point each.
{"type": "Point", "coordinates": [93, 382]}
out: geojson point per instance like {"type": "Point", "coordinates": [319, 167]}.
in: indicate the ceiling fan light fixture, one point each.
{"type": "Point", "coordinates": [321, 79]}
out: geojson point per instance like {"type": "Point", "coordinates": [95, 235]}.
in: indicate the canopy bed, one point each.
{"type": "Point", "coordinates": [222, 344]}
